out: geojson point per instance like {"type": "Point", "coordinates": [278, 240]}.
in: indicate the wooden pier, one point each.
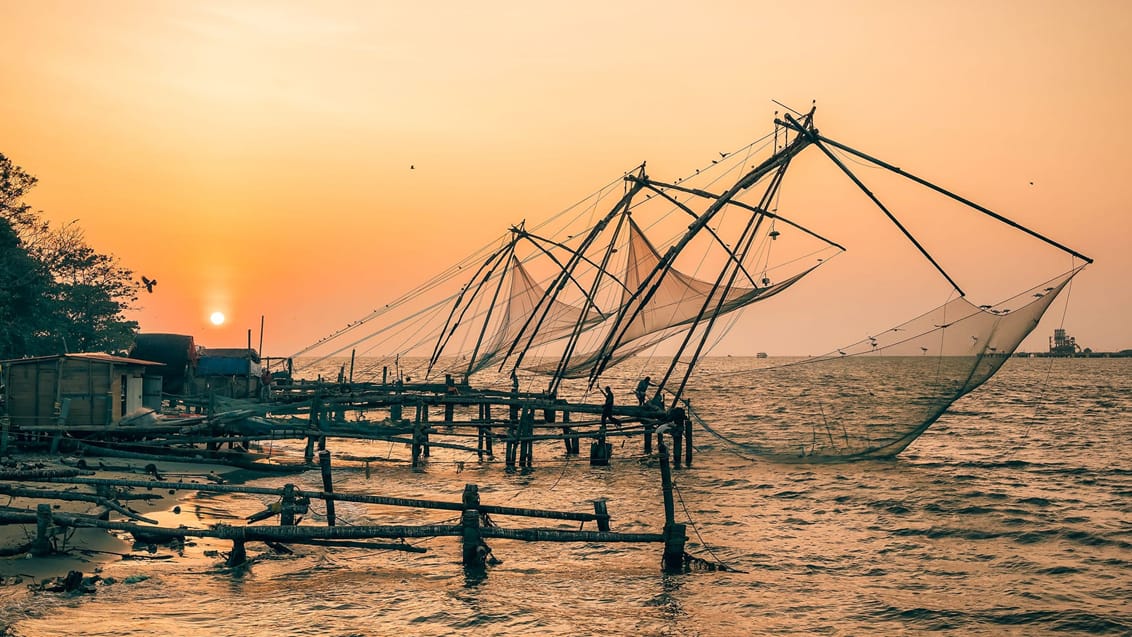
{"type": "Point", "coordinates": [422, 417]}
{"type": "Point", "coordinates": [474, 527]}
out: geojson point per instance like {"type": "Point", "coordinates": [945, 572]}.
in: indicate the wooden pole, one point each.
{"type": "Point", "coordinates": [474, 550]}
{"type": "Point", "coordinates": [287, 511]}
{"type": "Point", "coordinates": [42, 544]}
{"type": "Point", "coordinates": [239, 553]}
{"type": "Point", "coordinates": [602, 514]}
{"type": "Point", "coordinates": [343, 497]}
{"type": "Point", "coordinates": [315, 423]}
{"type": "Point", "coordinates": [675, 535]}
{"type": "Point", "coordinates": [327, 484]}
{"type": "Point", "coordinates": [677, 447]}
{"type": "Point", "coordinates": [687, 442]}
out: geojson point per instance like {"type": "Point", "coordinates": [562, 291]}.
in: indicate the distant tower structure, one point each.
{"type": "Point", "coordinates": [1062, 344]}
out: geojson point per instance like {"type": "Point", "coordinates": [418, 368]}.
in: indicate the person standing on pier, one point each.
{"type": "Point", "coordinates": [607, 408]}
{"type": "Point", "coordinates": [643, 389]}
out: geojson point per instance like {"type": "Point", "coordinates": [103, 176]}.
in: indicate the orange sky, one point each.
{"type": "Point", "coordinates": [254, 157]}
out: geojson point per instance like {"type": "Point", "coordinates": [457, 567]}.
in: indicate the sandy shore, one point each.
{"type": "Point", "coordinates": [86, 549]}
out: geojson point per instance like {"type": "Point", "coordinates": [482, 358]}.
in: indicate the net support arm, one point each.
{"type": "Point", "coordinates": [816, 140]}
{"type": "Point", "coordinates": [948, 193]}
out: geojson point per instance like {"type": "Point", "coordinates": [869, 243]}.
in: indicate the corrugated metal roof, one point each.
{"type": "Point", "coordinates": [91, 356]}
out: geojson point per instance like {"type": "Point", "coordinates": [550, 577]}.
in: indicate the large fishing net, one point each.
{"type": "Point", "coordinates": [676, 301]}
{"type": "Point", "coordinates": [873, 398]}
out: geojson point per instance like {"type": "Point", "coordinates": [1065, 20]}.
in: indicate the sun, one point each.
{"type": "Point", "coordinates": [217, 318]}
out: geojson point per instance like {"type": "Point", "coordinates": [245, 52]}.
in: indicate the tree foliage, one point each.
{"type": "Point", "coordinates": [57, 294]}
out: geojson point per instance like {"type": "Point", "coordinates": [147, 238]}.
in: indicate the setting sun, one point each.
{"type": "Point", "coordinates": [217, 318]}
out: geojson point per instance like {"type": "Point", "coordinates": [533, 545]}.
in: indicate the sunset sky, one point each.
{"type": "Point", "coordinates": [254, 157]}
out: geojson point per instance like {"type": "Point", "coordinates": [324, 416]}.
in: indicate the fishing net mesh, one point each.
{"type": "Point", "coordinates": [875, 397]}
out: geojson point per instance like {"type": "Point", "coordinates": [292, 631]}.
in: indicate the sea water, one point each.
{"type": "Point", "coordinates": [1011, 515]}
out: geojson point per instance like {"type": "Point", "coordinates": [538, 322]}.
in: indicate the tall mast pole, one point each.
{"type": "Point", "coordinates": [652, 282]}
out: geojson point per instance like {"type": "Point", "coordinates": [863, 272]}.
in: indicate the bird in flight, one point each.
{"type": "Point", "coordinates": [149, 283]}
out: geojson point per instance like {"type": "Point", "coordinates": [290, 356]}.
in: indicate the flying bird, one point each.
{"type": "Point", "coordinates": [149, 283]}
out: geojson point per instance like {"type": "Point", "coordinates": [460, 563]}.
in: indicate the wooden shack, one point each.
{"type": "Point", "coordinates": [73, 390]}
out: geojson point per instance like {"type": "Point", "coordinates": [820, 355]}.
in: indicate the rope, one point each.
{"type": "Point", "coordinates": [696, 529]}
{"type": "Point", "coordinates": [1045, 381]}
{"type": "Point", "coordinates": [703, 424]}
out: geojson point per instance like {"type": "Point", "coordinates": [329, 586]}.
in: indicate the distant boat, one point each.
{"type": "Point", "coordinates": [644, 261]}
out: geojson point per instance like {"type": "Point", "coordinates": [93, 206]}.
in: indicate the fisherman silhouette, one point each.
{"type": "Point", "coordinates": [642, 389]}
{"type": "Point", "coordinates": [607, 408]}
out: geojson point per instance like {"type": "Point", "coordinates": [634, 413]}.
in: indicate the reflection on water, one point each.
{"type": "Point", "coordinates": [1010, 515]}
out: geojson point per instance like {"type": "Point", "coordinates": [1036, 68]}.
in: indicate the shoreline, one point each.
{"type": "Point", "coordinates": [89, 549]}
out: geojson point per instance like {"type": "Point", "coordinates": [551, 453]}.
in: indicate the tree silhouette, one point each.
{"type": "Point", "coordinates": [57, 294]}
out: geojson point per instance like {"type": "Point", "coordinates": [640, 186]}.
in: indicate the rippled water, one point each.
{"type": "Point", "coordinates": [1011, 515]}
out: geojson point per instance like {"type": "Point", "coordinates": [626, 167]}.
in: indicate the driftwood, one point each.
{"type": "Point", "coordinates": [36, 475]}
{"type": "Point", "coordinates": [46, 494]}
{"type": "Point", "coordinates": [240, 461]}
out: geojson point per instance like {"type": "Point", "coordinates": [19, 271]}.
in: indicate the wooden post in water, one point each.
{"type": "Point", "coordinates": [677, 416]}
{"type": "Point", "coordinates": [418, 439]}
{"type": "Point", "coordinates": [449, 391]}
{"type": "Point", "coordinates": [42, 544]}
{"type": "Point", "coordinates": [675, 535]}
{"type": "Point", "coordinates": [526, 430]}
{"type": "Point", "coordinates": [602, 514]}
{"type": "Point", "coordinates": [487, 430]}
{"type": "Point", "coordinates": [571, 444]}
{"type": "Point", "coordinates": [424, 428]}
{"type": "Point", "coordinates": [239, 554]}
{"type": "Point", "coordinates": [287, 510]}
{"type": "Point", "coordinates": [648, 439]}
{"type": "Point", "coordinates": [315, 423]}
{"type": "Point", "coordinates": [474, 550]}
{"type": "Point", "coordinates": [511, 445]}
{"type": "Point", "coordinates": [327, 484]}
{"type": "Point", "coordinates": [687, 442]}
{"type": "Point", "coordinates": [395, 406]}
{"type": "Point", "coordinates": [4, 424]}
{"type": "Point", "coordinates": [600, 450]}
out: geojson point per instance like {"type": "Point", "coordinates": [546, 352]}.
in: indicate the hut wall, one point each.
{"type": "Point", "coordinates": [95, 392]}
{"type": "Point", "coordinates": [32, 392]}
{"type": "Point", "coordinates": [93, 387]}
